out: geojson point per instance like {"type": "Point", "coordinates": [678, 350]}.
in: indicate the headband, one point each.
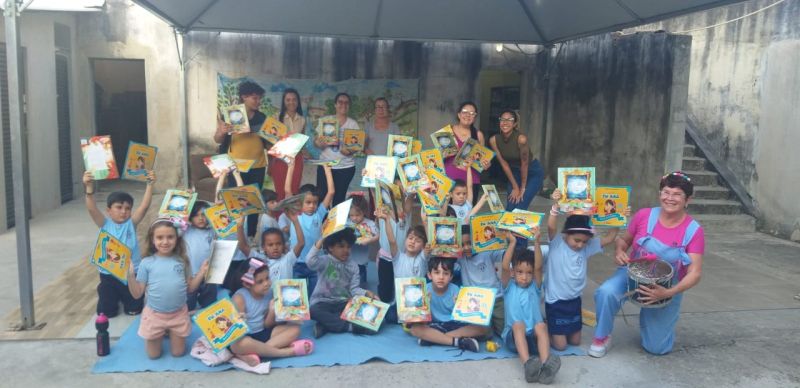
{"type": "Point", "coordinates": [179, 224]}
{"type": "Point", "coordinates": [679, 174]}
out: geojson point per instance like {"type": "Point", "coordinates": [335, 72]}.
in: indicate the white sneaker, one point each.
{"type": "Point", "coordinates": [599, 347]}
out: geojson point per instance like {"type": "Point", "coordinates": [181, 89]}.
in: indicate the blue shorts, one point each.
{"type": "Point", "coordinates": [563, 316]}
{"type": "Point", "coordinates": [446, 327]}
{"type": "Point", "coordinates": [261, 336]}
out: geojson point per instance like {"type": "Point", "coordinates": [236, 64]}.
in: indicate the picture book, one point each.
{"type": "Point", "coordinates": [474, 305]}
{"type": "Point", "coordinates": [220, 220]}
{"type": "Point", "coordinates": [219, 164]}
{"type": "Point", "coordinates": [413, 303]}
{"type": "Point", "coordinates": [378, 168]}
{"type": "Point", "coordinates": [141, 158]}
{"type": "Point", "coordinates": [365, 312]}
{"type": "Point", "coordinates": [362, 230]}
{"type": "Point", "coordinates": [272, 130]}
{"type": "Point", "coordinates": [493, 198]}
{"type": "Point", "coordinates": [337, 218]}
{"type": "Point", "coordinates": [330, 132]}
{"type": "Point", "coordinates": [432, 159]}
{"type": "Point", "coordinates": [445, 140]}
{"type": "Point", "coordinates": [177, 203]}
{"type": "Point", "coordinates": [412, 174]}
{"type": "Point", "coordinates": [288, 147]}
{"type": "Point", "coordinates": [353, 140]}
{"type": "Point", "coordinates": [241, 201]}
{"type": "Point", "coordinates": [611, 202]}
{"type": "Point", "coordinates": [294, 202]}
{"type": "Point", "coordinates": [112, 255]}
{"type": "Point", "coordinates": [428, 202]}
{"type": "Point", "coordinates": [291, 300]}
{"type": "Point", "coordinates": [416, 147]}
{"type": "Point", "coordinates": [480, 156]}
{"type": "Point", "coordinates": [520, 221]}
{"type": "Point", "coordinates": [236, 116]}
{"type": "Point", "coordinates": [464, 155]}
{"type": "Point", "coordinates": [98, 157]}
{"type": "Point", "coordinates": [244, 165]}
{"type": "Point", "coordinates": [485, 234]}
{"type": "Point", "coordinates": [444, 236]}
{"type": "Point", "coordinates": [399, 146]}
{"type": "Point", "coordinates": [577, 190]}
{"type": "Point", "coordinates": [385, 198]}
{"type": "Point", "coordinates": [221, 324]}
{"type": "Point", "coordinates": [222, 252]}
{"type": "Point", "coordinates": [320, 162]}
{"type": "Point", "coordinates": [439, 185]}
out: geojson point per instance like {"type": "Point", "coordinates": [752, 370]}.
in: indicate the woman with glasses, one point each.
{"type": "Point", "coordinates": [511, 148]}
{"type": "Point", "coordinates": [379, 129]}
{"type": "Point", "coordinates": [666, 233]}
{"type": "Point", "coordinates": [464, 129]}
{"type": "Point", "coordinates": [344, 171]}
{"type": "Point", "coordinates": [292, 116]}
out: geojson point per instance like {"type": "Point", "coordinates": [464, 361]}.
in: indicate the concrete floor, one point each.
{"type": "Point", "coordinates": [739, 327]}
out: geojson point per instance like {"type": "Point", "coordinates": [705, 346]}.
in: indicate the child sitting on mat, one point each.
{"type": "Point", "coordinates": [265, 337]}
{"type": "Point", "coordinates": [443, 330]}
{"type": "Point", "coordinates": [273, 248]}
{"type": "Point", "coordinates": [165, 276]}
{"type": "Point", "coordinates": [337, 281]}
{"type": "Point", "coordinates": [525, 331]}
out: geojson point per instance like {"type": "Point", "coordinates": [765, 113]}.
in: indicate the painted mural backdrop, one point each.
{"type": "Point", "coordinates": [317, 99]}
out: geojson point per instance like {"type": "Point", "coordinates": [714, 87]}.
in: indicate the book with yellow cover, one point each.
{"type": "Point", "coordinates": [439, 185]}
{"type": "Point", "coordinates": [485, 234]}
{"type": "Point", "coordinates": [98, 157]}
{"type": "Point", "coordinates": [610, 206]}
{"type": "Point", "coordinates": [272, 130]}
{"type": "Point", "coordinates": [365, 312]}
{"type": "Point", "coordinates": [221, 324]}
{"type": "Point", "coordinates": [244, 165]}
{"type": "Point", "coordinates": [288, 147]}
{"type": "Point", "coordinates": [329, 135]}
{"type": "Point", "coordinates": [291, 300]}
{"type": "Point", "coordinates": [112, 255]}
{"type": "Point", "coordinates": [220, 220]}
{"type": "Point", "coordinates": [243, 201]}
{"type": "Point", "coordinates": [177, 203]}
{"type": "Point", "coordinates": [428, 202]}
{"type": "Point", "coordinates": [577, 190]}
{"type": "Point", "coordinates": [337, 218]}
{"type": "Point", "coordinates": [399, 146]}
{"type": "Point", "coordinates": [416, 147]}
{"type": "Point", "coordinates": [474, 305]}
{"type": "Point", "coordinates": [444, 236]}
{"type": "Point", "coordinates": [432, 159]}
{"type": "Point", "coordinates": [236, 116]}
{"type": "Point", "coordinates": [386, 198]}
{"type": "Point", "coordinates": [520, 222]}
{"type": "Point", "coordinates": [445, 140]}
{"type": "Point", "coordinates": [219, 164]}
{"type": "Point", "coordinates": [493, 198]}
{"type": "Point", "coordinates": [481, 155]}
{"type": "Point", "coordinates": [464, 155]}
{"type": "Point", "coordinates": [413, 301]}
{"type": "Point", "coordinates": [141, 158]}
{"type": "Point", "coordinates": [378, 168]}
{"type": "Point", "coordinates": [353, 140]}
{"type": "Point", "coordinates": [412, 174]}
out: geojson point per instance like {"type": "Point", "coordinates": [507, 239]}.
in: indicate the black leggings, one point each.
{"type": "Point", "coordinates": [341, 182]}
{"type": "Point", "coordinates": [385, 281]}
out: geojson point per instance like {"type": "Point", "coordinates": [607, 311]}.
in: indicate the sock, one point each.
{"type": "Point", "coordinates": [456, 341]}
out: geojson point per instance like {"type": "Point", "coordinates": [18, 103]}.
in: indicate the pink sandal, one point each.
{"type": "Point", "coordinates": [303, 347]}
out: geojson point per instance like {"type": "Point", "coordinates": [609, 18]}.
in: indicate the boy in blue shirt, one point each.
{"type": "Point", "coordinates": [478, 270]}
{"type": "Point", "coordinates": [120, 223]}
{"type": "Point", "coordinates": [525, 330]}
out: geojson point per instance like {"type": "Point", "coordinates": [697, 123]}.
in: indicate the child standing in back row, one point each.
{"type": "Point", "coordinates": [199, 238]}
{"type": "Point", "coordinates": [366, 234]}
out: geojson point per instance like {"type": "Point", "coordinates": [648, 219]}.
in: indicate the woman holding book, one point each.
{"type": "Point", "coordinates": [342, 172]}
{"type": "Point", "coordinates": [292, 116]}
{"type": "Point", "coordinates": [524, 175]}
{"type": "Point", "coordinates": [464, 129]}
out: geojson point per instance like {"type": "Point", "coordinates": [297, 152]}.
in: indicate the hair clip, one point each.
{"type": "Point", "coordinates": [248, 277]}
{"type": "Point", "coordinates": [179, 224]}
{"type": "Point", "coordinates": [680, 174]}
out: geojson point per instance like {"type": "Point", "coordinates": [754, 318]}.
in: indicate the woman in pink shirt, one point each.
{"type": "Point", "coordinates": [463, 130]}
{"type": "Point", "coordinates": [666, 233]}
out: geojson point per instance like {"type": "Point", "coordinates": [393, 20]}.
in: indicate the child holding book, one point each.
{"type": "Point", "coordinates": [400, 228]}
{"type": "Point", "coordinates": [265, 337]}
{"type": "Point", "coordinates": [199, 238]}
{"type": "Point", "coordinates": [121, 223]}
{"type": "Point", "coordinates": [565, 272]}
{"type": "Point", "coordinates": [461, 199]}
{"type": "Point", "coordinates": [239, 261]}
{"type": "Point", "coordinates": [268, 219]}
{"type": "Point", "coordinates": [274, 252]}
{"type": "Point", "coordinates": [478, 270]}
{"type": "Point", "coordinates": [338, 282]}
{"type": "Point", "coordinates": [366, 234]}
{"type": "Point", "coordinates": [443, 330]}
{"type": "Point", "coordinates": [165, 277]}
{"type": "Point", "coordinates": [410, 260]}
{"type": "Point", "coordinates": [525, 331]}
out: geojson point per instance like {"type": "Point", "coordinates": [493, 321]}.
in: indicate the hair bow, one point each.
{"type": "Point", "coordinates": [179, 224]}
{"type": "Point", "coordinates": [248, 277]}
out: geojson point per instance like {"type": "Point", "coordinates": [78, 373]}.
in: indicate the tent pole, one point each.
{"type": "Point", "coordinates": [184, 135]}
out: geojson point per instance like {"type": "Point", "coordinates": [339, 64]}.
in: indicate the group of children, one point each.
{"type": "Point", "coordinates": [289, 245]}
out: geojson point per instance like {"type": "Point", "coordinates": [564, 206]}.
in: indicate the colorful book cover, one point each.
{"type": "Point", "coordinates": [353, 140]}
{"type": "Point", "coordinates": [112, 255]}
{"type": "Point", "coordinates": [378, 168]}
{"type": "Point", "coordinates": [411, 174]}
{"type": "Point", "coordinates": [141, 158]}
{"type": "Point", "coordinates": [362, 230]}
{"type": "Point", "coordinates": [432, 160]}
{"type": "Point", "coordinates": [481, 155]}
{"type": "Point", "coordinates": [474, 305]}
{"type": "Point", "coordinates": [399, 146]}
{"type": "Point", "coordinates": [520, 221]}
{"type": "Point", "coordinates": [485, 234]}
{"type": "Point", "coordinates": [493, 198]}
{"type": "Point", "coordinates": [428, 202]}
{"type": "Point", "coordinates": [464, 155]}
{"type": "Point", "coordinates": [365, 312]}
{"type": "Point", "coordinates": [288, 147]}
{"type": "Point", "coordinates": [416, 147]}
{"type": "Point", "coordinates": [385, 198]}
{"type": "Point", "coordinates": [294, 202]}
{"type": "Point", "coordinates": [337, 218]}
{"type": "Point", "coordinates": [320, 162]}
{"type": "Point", "coordinates": [610, 206]}
{"type": "Point", "coordinates": [244, 165]}
{"type": "Point", "coordinates": [577, 190]}
{"type": "Point", "coordinates": [444, 236]}
{"type": "Point", "coordinates": [98, 157]}
{"type": "Point", "coordinates": [439, 185]}
{"type": "Point", "coordinates": [177, 203]}
{"type": "Point", "coordinates": [291, 300]}
{"type": "Point", "coordinates": [243, 201]}
{"type": "Point", "coordinates": [272, 130]}
{"type": "Point", "coordinates": [413, 303]}
{"type": "Point", "coordinates": [220, 220]}
{"type": "Point", "coordinates": [236, 116]}
{"type": "Point", "coordinates": [445, 140]}
{"type": "Point", "coordinates": [330, 132]}
{"type": "Point", "coordinates": [222, 252]}
{"type": "Point", "coordinates": [221, 324]}
{"type": "Point", "coordinates": [219, 164]}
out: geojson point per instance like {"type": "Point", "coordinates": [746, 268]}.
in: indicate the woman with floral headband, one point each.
{"type": "Point", "coordinates": [666, 233]}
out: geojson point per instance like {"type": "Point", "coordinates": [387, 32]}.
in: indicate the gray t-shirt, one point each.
{"type": "Point", "coordinates": [198, 246]}
{"type": "Point", "coordinates": [479, 270]}
{"type": "Point", "coordinates": [379, 139]}
{"type": "Point", "coordinates": [165, 278]}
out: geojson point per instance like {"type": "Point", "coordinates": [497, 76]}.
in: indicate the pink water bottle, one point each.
{"type": "Point", "coordinates": [103, 343]}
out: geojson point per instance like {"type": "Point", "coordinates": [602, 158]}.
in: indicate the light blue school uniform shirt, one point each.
{"type": "Point", "coordinates": [256, 310]}
{"type": "Point", "coordinates": [442, 305]}
{"type": "Point", "coordinates": [406, 266]}
{"type": "Point", "coordinates": [360, 253]}
{"type": "Point", "coordinates": [312, 229]}
{"type": "Point", "coordinates": [462, 212]}
{"type": "Point", "coordinates": [565, 269]}
{"type": "Point", "coordinates": [199, 243]}
{"type": "Point", "coordinates": [165, 280]}
{"type": "Point", "coordinates": [280, 268]}
{"type": "Point", "coordinates": [479, 271]}
{"type": "Point", "coordinates": [126, 234]}
{"type": "Point", "coordinates": [521, 305]}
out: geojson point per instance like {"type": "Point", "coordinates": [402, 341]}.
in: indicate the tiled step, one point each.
{"type": "Point", "coordinates": [703, 178]}
{"type": "Point", "coordinates": [714, 206]}
{"type": "Point", "coordinates": [693, 163]}
{"type": "Point", "coordinates": [688, 150]}
{"type": "Point", "coordinates": [711, 192]}
{"type": "Point", "coordinates": [726, 223]}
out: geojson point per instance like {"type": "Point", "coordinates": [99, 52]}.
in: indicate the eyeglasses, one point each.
{"type": "Point", "coordinates": [469, 113]}
{"type": "Point", "coordinates": [508, 119]}
{"type": "Point", "coordinates": [667, 194]}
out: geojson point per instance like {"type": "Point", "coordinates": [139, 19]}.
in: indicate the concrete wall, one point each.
{"type": "Point", "coordinates": [743, 96]}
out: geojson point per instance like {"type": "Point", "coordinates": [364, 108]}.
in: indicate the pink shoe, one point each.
{"type": "Point", "coordinates": [600, 346]}
{"type": "Point", "coordinates": [303, 347]}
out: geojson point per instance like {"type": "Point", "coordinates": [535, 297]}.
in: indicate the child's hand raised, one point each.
{"type": "Point", "coordinates": [627, 212]}
{"type": "Point", "coordinates": [291, 213]}
{"type": "Point", "coordinates": [556, 195]}
{"type": "Point", "coordinates": [151, 177]}
{"type": "Point", "coordinates": [88, 178]}
{"type": "Point", "coordinates": [427, 249]}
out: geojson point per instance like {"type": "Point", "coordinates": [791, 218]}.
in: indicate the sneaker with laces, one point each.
{"type": "Point", "coordinates": [600, 346]}
{"type": "Point", "coordinates": [467, 343]}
